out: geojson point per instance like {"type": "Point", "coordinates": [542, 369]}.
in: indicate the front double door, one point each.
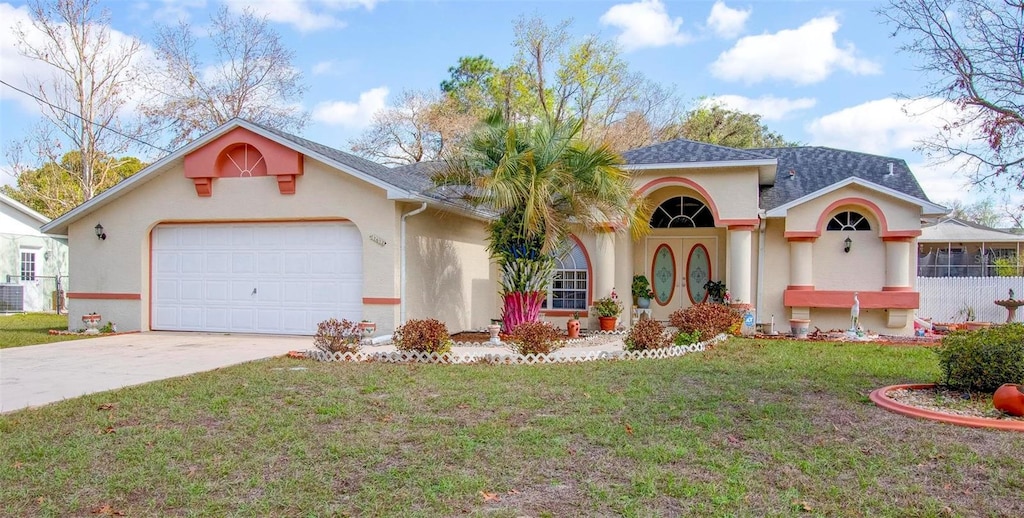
{"type": "Point", "coordinates": [678, 268]}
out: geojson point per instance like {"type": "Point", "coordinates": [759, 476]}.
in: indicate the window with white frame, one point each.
{"type": "Point", "coordinates": [568, 289]}
{"type": "Point", "coordinates": [28, 265]}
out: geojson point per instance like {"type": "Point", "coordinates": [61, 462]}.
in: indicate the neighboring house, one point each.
{"type": "Point", "coordinates": [951, 247]}
{"type": "Point", "coordinates": [964, 267]}
{"type": "Point", "coordinates": [250, 229]}
{"type": "Point", "coordinates": [33, 266]}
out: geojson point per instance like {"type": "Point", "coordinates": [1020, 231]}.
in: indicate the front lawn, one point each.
{"type": "Point", "coordinates": [750, 428]}
{"type": "Point", "coordinates": [33, 328]}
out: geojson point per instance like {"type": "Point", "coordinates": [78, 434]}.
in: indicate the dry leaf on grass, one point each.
{"type": "Point", "coordinates": [106, 406]}
{"type": "Point", "coordinates": [490, 497]}
{"type": "Point", "coordinates": [629, 429]}
{"type": "Point", "coordinates": [106, 510]}
{"type": "Point", "coordinates": [109, 429]}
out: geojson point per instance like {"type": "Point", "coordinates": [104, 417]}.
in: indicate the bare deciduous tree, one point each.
{"type": "Point", "coordinates": [82, 100]}
{"type": "Point", "coordinates": [420, 127]}
{"type": "Point", "coordinates": [973, 53]}
{"type": "Point", "coordinates": [254, 78]}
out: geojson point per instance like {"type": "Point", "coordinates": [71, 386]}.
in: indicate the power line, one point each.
{"type": "Point", "coordinates": [79, 117]}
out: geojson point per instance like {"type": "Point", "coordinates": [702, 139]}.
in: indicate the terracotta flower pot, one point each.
{"type": "Point", "coordinates": [572, 328]}
{"type": "Point", "coordinates": [1010, 399]}
{"type": "Point", "coordinates": [607, 323]}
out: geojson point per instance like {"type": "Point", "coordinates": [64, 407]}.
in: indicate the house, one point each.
{"type": "Point", "coordinates": [250, 229]}
{"type": "Point", "coordinates": [33, 265]}
{"type": "Point", "coordinates": [952, 247]}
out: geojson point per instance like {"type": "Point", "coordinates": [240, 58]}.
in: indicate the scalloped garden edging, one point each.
{"type": "Point", "coordinates": [513, 358]}
{"type": "Point", "coordinates": [880, 398]}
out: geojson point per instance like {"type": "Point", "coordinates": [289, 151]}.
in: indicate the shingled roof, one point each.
{"type": "Point", "coordinates": [681, 151]}
{"type": "Point", "coordinates": [803, 170]}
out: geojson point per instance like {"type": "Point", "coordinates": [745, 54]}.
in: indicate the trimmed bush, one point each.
{"type": "Point", "coordinates": [333, 336]}
{"type": "Point", "coordinates": [708, 319]}
{"type": "Point", "coordinates": [535, 338]}
{"type": "Point", "coordinates": [682, 338]}
{"type": "Point", "coordinates": [423, 336]}
{"type": "Point", "coordinates": [646, 334]}
{"type": "Point", "coordinates": [981, 361]}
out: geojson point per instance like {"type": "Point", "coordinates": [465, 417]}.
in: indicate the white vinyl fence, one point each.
{"type": "Point", "coordinates": [946, 299]}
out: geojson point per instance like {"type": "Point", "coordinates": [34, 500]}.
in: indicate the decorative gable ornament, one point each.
{"type": "Point", "coordinates": [241, 153]}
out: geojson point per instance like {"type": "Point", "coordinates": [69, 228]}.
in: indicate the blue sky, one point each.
{"type": "Point", "coordinates": [822, 73]}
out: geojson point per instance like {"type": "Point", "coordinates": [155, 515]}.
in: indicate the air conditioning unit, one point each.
{"type": "Point", "coordinates": [12, 298]}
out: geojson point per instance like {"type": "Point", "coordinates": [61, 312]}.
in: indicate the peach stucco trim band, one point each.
{"type": "Point", "coordinates": [800, 287]}
{"type": "Point", "coordinates": [880, 398]}
{"type": "Point", "coordinates": [901, 235]}
{"type": "Point", "coordinates": [742, 227]}
{"type": "Point", "coordinates": [844, 299]}
{"type": "Point", "coordinates": [104, 296]}
{"type": "Point", "coordinates": [385, 301]}
{"type": "Point", "coordinates": [562, 313]}
{"type": "Point", "coordinates": [806, 237]}
{"type": "Point", "coordinates": [897, 288]}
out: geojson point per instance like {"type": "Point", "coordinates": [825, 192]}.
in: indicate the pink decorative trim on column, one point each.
{"type": "Point", "coordinates": [800, 287]}
{"type": "Point", "coordinates": [805, 237]}
{"type": "Point", "coordinates": [741, 228]}
{"type": "Point", "coordinates": [383, 301]}
{"type": "Point", "coordinates": [103, 296]}
{"type": "Point", "coordinates": [897, 288]}
{"type": "Point", "coordinates": [844, 299]}
{"type": "Point", "coordinates": [901, 236]}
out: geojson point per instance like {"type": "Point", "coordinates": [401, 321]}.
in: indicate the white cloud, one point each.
{"type": "Point", "coordinates": [23, 72]}
{"type": "Point", "coordinates": [353, 115]}
{"type": "Point", "coordinates": [644, 24]}
{"type": "Point", "coordinates": [894, 127]}
{"type": "Point", "coordinates": [802, 56]}
{"type": "Point", "coordinates": [304, 15]}
{"type": "Point", "coordinates": [768, 107]}
{"type": "Point", "coordinates": [323, 67]}
{"type": "Point", "coordinates": [727, 22]}
{"type": "Point", "coordinates": [170, 12]}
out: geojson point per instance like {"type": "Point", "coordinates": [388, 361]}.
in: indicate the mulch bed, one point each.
{"type": "Point", "coordinates": [940, 399]}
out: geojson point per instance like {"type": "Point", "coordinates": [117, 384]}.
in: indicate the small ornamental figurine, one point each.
{"type": "Point", "coordinates": [1011, 293]}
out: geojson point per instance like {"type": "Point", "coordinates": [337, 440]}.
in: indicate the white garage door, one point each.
{"type": "Point", "coordinates": [277, 278]}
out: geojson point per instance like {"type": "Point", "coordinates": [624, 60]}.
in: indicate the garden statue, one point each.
{"type": "Point", "coordinates": [855, 314]}
{"type": "Point", "coordinates": [1011, 293]}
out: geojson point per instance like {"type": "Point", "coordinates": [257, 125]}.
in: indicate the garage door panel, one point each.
{"type": "Point", "coordinates": [303, 273]}
{"type": "Point", "coordinates": [270, 263]}
{"type": "Point", "coordinates": [218, 262]}
{"type": "Point", "coordinates": [216, 292]}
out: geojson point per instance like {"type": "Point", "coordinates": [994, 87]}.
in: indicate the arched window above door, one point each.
{"type": "Point", "coordinates": [682, 212]}
{"type": "Point", "coordinates": [848, 220]}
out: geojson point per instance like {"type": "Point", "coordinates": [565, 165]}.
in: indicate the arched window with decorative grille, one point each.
{"type": "Point", "coordinates": [682, 212]}
{"type": "Point", "coordinates": [848, 220]}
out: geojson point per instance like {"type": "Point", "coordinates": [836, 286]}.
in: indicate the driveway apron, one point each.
{"type": "Point", "coordinates": [40, 374]}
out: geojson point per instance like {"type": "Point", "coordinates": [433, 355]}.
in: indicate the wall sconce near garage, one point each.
{"type": "Point", "coordinates": [99, 232]}
{"type": "Point", "coordinates": [846, 245]}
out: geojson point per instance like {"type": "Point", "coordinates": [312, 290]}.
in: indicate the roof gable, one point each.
{"type": "Point", "coordinates": [927, 208]}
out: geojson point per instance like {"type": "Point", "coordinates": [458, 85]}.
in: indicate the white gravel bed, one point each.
{"type": "Point", "coordinates": [949, 402]}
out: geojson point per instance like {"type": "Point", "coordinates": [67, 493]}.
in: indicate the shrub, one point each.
{"type": "Point", "coordinates": [708, 319]}
{"type": "Point", "coordinates": [535, 338]}
{"type": "Point", "coordinates": [646, 334]}
{"type": "Point", "coordinates": [981, 361]}
{"type": "Point", "coordinates": [682, 338]}
{"type": "Point", "coordinates": [424, 336]}
{"type": "Point", "coordinates": [333, 336]}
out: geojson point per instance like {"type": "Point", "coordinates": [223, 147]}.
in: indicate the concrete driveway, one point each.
{"type": "Point", "coordinates": [40, 374]}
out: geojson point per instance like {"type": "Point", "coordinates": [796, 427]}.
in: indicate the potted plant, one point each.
{"type": "Point", "coordinates": [642, 293]}
{"type": "Point", "coordinates": [367, 328]}
{"type": "Point", "coordinates": [716, 291]}
{"type": "Point", "coordinates": [608, 309]}
{"type": "Point", "coordinates": [572, 327]}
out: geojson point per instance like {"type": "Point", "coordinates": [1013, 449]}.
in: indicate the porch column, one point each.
{"type": "Point", "coordinates": [604, 266]}
{"type": "Point", "coordinates": [801, 263]}
{"type": "Point", "coordinates": [624, 273]}
{"type": "Point", "coordinates": [897, 264]}
{"type": "Point", "coordinates": [740, 237]}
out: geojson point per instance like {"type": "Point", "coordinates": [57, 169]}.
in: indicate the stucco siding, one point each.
{"type": "Point", "coordinates": [734, 191]}
{"type": "Point", "coordinates": [898, 214]}
{"type": "Point", "coordinates": [450, 274]}
{"type": "Point", "coordinates": [121, 263]}
{"type": "Point", "coordinates": [776, 276]}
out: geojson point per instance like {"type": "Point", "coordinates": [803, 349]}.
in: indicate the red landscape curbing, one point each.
{"type": "Point", "coordinates": [880, 398]}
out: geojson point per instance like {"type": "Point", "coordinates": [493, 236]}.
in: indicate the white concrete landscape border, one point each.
{"type": "Point", "coordinates": [512, 358]}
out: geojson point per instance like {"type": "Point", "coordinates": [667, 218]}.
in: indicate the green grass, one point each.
{"type": "Point", "coordinates": [33, 328]}
{"type": "Point", "coordinates": [772, 428]}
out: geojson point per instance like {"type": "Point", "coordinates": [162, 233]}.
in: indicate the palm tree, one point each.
{"type": "Point", "coordinates": [543, 182]}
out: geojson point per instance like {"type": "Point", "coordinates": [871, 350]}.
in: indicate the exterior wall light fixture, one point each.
{"type": "Point", "coordinates": [99, 232]}
{"type": "Point", "coordinates": [846, 245]}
